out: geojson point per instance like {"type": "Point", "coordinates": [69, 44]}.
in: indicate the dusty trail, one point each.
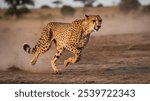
{"type": "Point", "coordinates": [107, 59]}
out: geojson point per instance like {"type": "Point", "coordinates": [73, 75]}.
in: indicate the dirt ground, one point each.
{"type": "Point", "coordinates": [118, 53]}
{"type": "Point", "coordinates": [107, 59]}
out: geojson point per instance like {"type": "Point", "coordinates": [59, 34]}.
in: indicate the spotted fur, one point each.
{"type": "Point", "coordinates": [71, 36]}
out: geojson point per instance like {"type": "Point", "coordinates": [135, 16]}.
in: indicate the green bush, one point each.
{"type": "Point", "coordinates": [12, 11]}
{"type": "Point", "coordinates": [18, 12]}
{"type": "Point", "coordinates": [67, 10]}
{"type": "Point", "coordinates": [146, 9]}
{"type": "Point", "coordinates": [100, 5]}
{"type": "Point", "coordinates": [17, 7]}
{"type": "Point", "coordinates": [127, 5]}
{"type": "Point", "coordinates": [45, 7]}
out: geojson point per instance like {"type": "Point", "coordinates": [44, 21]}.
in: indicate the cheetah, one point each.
{"type": "Point", "coordinates": [70, 36]}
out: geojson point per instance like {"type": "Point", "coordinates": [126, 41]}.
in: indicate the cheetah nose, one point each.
{"type": "Point", "coordinates": [99, 26]}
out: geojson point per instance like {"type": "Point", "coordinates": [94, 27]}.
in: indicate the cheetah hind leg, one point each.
{"type": "Point", "coordinates": [39, 51]}
{"type": "Point", "coordinates": [35, 57]}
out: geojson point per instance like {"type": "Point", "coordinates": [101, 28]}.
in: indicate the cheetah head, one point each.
{"type": "Point", "coordinates": [93, 22]}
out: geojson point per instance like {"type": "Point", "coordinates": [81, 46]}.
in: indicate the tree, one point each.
{"type": "Point", "coordinates": [100, 5]}
{"type": "Point", "coordinates": [57, 3]}
{"type": "Point", "coordinates": [87, 3]}
{"type": "Point", "coordinates": [67, 10]}
{"type": "Point", "coordinates": [18, 7]}
{"type": "Point", "coordinates": [45, 7]}
{"type": "Point", "coordinates": [127, 5]}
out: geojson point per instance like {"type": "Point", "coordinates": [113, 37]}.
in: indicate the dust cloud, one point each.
{"type": "Point", "coordinates": [13, 55]}
{"type": "Point", "coordinates": [14, 33]}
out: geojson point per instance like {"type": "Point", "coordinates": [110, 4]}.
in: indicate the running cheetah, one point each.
{"type": "Point", "coordinates": [71, 36]}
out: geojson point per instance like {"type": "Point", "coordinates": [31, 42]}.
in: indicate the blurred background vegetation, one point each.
{"type": "Point", "coordinates": [127, 5]}
{"type": "Point", "coordinates": [18, 8]}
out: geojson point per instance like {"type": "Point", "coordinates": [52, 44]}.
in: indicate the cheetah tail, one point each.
{"type": "Point", "coordinates": [28, 49]}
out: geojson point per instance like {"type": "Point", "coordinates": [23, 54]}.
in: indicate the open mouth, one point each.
{"type": "Point", "coordinates": [96, 28]}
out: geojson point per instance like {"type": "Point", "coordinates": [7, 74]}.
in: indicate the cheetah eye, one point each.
{"type": "Point", "coordinates": [100, 20]}
{"type": "Point", "coordinates": [94, 21]}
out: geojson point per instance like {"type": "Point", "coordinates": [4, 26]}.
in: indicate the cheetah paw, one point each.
{"type": "Point", "coordinates": [33, 62]}
{"type": "Point", "coordinates": [56, 71]}
{"type": "Point", "coordinates": [66, 63]}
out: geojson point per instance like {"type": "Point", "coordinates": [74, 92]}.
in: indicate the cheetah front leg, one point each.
{"type": "Point", "coordinates": [74, 59]}
{"type": "Point", "coordinates": [84, 41]}
{"type": "Point", "coordinates": [56, 57]}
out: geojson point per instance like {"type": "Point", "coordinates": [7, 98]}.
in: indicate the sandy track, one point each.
{"type": "Point", "coordinates": [106, 59]}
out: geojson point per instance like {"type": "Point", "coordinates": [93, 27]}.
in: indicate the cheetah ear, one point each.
{"type": "Point", "coordinates": [86, 16]}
